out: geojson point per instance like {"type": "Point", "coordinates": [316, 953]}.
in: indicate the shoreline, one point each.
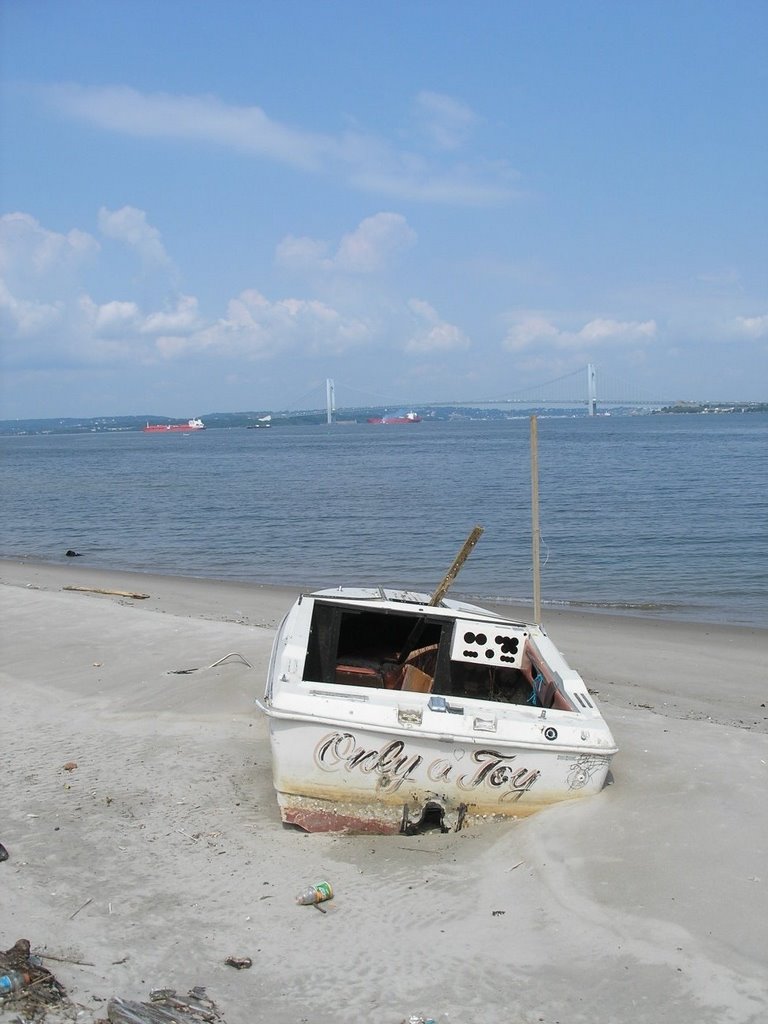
{"type": "Point", "coordinates": [162, 852]}
{"type": "Point", "coordinates": [510, 607]}
{"type": "Point", "coordinates": [612, 653]}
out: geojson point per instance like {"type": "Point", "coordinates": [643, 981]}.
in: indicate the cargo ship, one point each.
{"type": "Point", "coordinates": [408, 417]}
{"type": "Point", "coordinates": [166, 428]}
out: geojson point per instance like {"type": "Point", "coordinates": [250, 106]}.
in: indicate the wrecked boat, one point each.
{"type": "Point", "coordinates": [390, 711]}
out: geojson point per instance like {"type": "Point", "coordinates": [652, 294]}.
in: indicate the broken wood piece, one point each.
{"type": "Point", "coordinates": [164, 1008]}
{"type": "Point", "coordinates": [458, 561]}
{"type": "Point", "coordinates": [114, 593]}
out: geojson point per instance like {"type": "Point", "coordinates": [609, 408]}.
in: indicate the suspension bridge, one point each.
{"type": "Point", "coordinates": [575, 390]}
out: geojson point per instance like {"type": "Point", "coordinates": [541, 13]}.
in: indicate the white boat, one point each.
{"type": "Point", "coordinates": [389, 713]}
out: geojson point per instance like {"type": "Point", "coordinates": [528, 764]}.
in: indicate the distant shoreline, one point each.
{"type": "Point", "coordinates": [434, 414]}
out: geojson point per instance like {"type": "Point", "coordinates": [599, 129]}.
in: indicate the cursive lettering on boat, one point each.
{"type": "Point", "coordinates": [340, 751]}
{"type": "Point", "coordinates": [498, 772]}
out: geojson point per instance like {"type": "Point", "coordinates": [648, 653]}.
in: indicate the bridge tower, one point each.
{"type": "Point", "coordinates": [330, 400]}
{"type": "Point", "coordinates": [591, 390]}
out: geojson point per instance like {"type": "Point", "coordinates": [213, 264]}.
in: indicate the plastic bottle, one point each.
{"type": "Point", "coordinates": [315, 893]}
{"type": "Point", "coordinates": [12, 982]}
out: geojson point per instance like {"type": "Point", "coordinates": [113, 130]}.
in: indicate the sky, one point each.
{"type": "Point", "coordinates": [215, 206]}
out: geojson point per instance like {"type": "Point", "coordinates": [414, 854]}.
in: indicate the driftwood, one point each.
{"type": "Point", "coordinates": [114, 593]}
{"type": "Point", "coordinates": [458, 561]}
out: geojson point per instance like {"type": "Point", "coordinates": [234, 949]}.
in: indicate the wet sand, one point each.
{"type": "Point", "coordinates": [162, 852]}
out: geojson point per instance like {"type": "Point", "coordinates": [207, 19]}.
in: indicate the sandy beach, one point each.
{"type": "Point", "coordinates": [162, 852]}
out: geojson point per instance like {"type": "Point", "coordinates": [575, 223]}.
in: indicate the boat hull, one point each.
{"type": "Point", "coordinates": [329, 777]}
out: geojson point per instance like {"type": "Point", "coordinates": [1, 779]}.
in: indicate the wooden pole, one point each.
{"type": "Point", "coordinates": [458, 561]}
{"type": "Point", "coordinates": [535, 536]}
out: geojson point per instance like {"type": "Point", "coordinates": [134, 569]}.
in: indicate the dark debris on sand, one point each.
{"type": "Point", "coordinates": [41, 993]}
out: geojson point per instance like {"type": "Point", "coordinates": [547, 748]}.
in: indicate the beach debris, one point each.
{"type": "Point", "coordinates": [69, 766]}
{"type": "Point", "coordinates": [70, 553]}
{"type": "Point", "coordinates": [13, 981]}
{"type": "Point", "coordinates": [189, 671]}
{"type": "Point", "coordinates": [164, 1007]}
{"type": "Point", "coordinates": [113, 593]}
{"type": "Point", "coordinates": [314, 894]}
{"type": "Point", "coordinates": [195, 839]}
{"type": "Point", "coordinates": [232, 654]}
{"type": "Point", "coordinates": [63, 960]}
{"type": "Point", "coordinates": [4, 855]}
{"type": "Point", "coordinates": [240, 962]}
{"type": "Point", "coordinates": [27, 987]}
{"type": "Point", "coordinates": [74, 915]}
{"type": "Point", "coordinates": [419, 1018]}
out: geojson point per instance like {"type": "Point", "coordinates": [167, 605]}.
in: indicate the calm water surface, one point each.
{"type": "Point", "coordinates": [653, 515]}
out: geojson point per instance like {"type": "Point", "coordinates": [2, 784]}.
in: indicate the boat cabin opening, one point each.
{"type": "Point", "coordinates": [429, 653]}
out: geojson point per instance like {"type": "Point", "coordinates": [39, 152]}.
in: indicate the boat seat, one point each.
{"type": "Point", "coordinates": [357, 673]}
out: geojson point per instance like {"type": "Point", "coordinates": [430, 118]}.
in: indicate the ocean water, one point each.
{"type": "Point", "coordinates": [649, 515]}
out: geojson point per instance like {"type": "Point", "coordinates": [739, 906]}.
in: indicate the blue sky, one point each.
{"type": "Point", "coordinates": [215, 206]}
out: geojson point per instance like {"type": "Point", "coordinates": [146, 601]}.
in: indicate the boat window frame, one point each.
{"type": "Point", "coordinates": [330, 619]}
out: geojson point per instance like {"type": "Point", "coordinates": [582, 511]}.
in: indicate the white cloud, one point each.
{"type": "Point", "coordinates": [602, 331]}
{"type": "Point", "coordinates": [255, 327]}
{"type": "Point", "coordinates": [369, 248]}
{"type": "Point", "coordinates": [113, 319]}
{"type": "Point", "coordinates": [365, 161]}
{"type": "Point", "coordinates": [538, 331]}
{"type": "Point", "coordinates": [184, 319]}
{"type": "Point", "coordinates": [22, 318]}
{"type": "Point", "coordinates": [752, 326]}
{"type": "Point", "coordinates": [130, 226]}
{"type": "Point", "coordinates": [416, 182]}
{"type": "Point", "coordinates": [533, 329]}
{"type": "Point", "coordinates": [375, 239]}
{"type": "Point", "coordinates": [196, 118]}
{"type": "Point", "coordinates": [29, 251]}
{"type": "Point", "coordinates": [433, 334]}
{"type": "Point", "coordinates": [445, 120]}
{"type": "Point", "coordinates": [302, 253]}
{"type": "Point", "coordinates": [50, 319]}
